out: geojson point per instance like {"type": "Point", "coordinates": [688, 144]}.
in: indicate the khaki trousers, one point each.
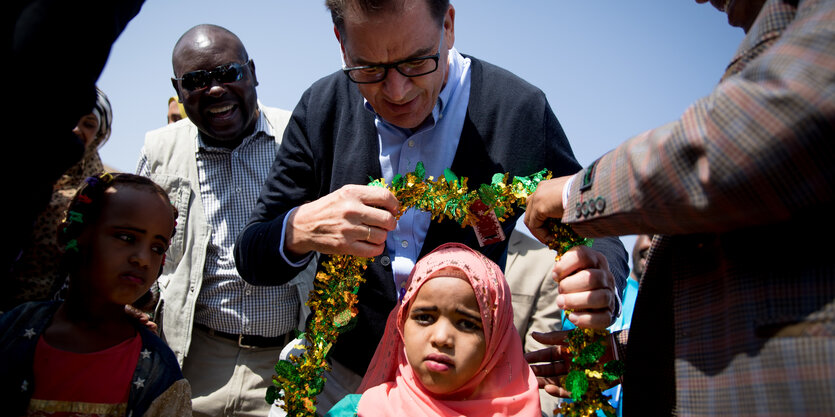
{"type": "Point", "coordinates": [227, 380]}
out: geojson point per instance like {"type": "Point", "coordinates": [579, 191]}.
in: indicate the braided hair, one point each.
{"type": "Point", "coordinates": [85, 208]}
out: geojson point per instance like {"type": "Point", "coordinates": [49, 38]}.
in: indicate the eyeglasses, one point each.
{"type": "Point", "coordinates": [410, 67]}
{"type": "Point", "coordinates": [198, 80]}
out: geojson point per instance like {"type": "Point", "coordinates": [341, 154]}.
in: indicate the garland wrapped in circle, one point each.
{"type": "Point", "coordinates": [332, 302]}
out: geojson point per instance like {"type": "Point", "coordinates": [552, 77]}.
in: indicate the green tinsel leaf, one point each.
{"type": "Point", "coordinates": [375, 182]}
{"type": "Point", "coordinates": [286, 369]}
{"type": "Point", "coordinates": [613, 370]}
{"type": "Point", "coordinates": [397, 181]}
{"type": "Point", "coordinates": [420, 171]}
{"type": "Point", "coordinates": [576, 337]}
{"type": "Point", "coordinates": [272, 394]}
{"type": "Point", "coordinates": [450, 176]}
{"type": "Point", "coordinates": [316, 387]}
{"type": "Point", "coordinates": [497, 179]}
{"type": "Point", "coordinates": [590, 354]}
{"type": "Point", "coordinates": [536, 178]}
{"type": "Point", "coordinates": [577, 383]}
{"type": "Point", "coordinates": [487, 195]}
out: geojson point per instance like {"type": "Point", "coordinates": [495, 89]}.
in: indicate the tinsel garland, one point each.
{"type": "Point", "coordinates": [300, 378]}
{"type": "Point", "coordinates": [587, 377]}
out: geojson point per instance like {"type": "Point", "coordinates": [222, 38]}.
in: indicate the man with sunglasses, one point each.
{"type": "Point", "coordinates": [404, 96]}
{"type": "Point", "coordinates": [226, 333]}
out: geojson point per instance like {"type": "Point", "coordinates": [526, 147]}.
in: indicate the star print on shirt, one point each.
{"type": "Point", "coordinates": [146, 354]}
{"type": "Point", "coordinates": [29, 333]}
{"type": "Point", "coordinates": [140, 383]}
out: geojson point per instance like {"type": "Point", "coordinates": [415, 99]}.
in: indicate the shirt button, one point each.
{"type": "Point", "coordinates": [411, 143]}
{"type": "Point", "coordinates": [385, 260]}
{"type": "Point", "coordinates": [238, 189]}
{"type": "Point", "coordinates": [404, 244]}
{"type": "Point", "coordinates": [235, 154]}
{"type": "Point", "coordinates": [248, 328]}
{"type": "Point", "coordinates": [248, 292]}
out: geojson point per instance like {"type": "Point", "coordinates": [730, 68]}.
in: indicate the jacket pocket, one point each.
{"type": "Point", "coordinates": [180, 193]}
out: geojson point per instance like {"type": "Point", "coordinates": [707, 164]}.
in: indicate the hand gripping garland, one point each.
{"type": "Point", "coordinates": [300, 378]}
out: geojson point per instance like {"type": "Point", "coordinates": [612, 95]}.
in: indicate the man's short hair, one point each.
{"type": "Point", "coordinates": [437, 8]}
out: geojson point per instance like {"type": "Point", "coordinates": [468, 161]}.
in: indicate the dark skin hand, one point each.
{"type": "Point", "coordinates": [142, 317]}
{"type": "Point", "coordinates": [551, 363]}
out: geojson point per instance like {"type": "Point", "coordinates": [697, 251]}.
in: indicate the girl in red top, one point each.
{"type": "Point", "coordinates": [85, 356]}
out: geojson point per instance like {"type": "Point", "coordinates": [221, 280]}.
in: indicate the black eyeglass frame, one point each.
{"type": "Point", "coordinates": [435, 57]}
{"type": "Point", "coordinates": [214, 74]}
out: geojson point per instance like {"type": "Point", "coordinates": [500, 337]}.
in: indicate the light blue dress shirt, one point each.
{"type": "Point", "coordinates": [433, 143]}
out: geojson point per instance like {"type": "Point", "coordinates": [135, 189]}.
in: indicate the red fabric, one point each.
{"type": "Point", "coordinates": [103, 377]}
{"type": "Point", "coordinates": [506, 385]}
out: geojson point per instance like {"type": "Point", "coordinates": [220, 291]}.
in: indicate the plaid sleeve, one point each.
{"type": "Point", "coordinates": [757, 150]}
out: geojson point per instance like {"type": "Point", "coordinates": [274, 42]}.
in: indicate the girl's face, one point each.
{"type": "Point", "coordinates": [86, 128]}
{"type": "Point", "coordinates": [122, 252]}
{"type": "Point", "coordinates": [443, 334]}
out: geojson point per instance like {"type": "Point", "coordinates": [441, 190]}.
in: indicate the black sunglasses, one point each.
{"type": "Point", "coordinates": [198, 80]}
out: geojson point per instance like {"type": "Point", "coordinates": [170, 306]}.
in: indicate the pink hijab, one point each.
{"type": "Point", "coordinates": [507, 387]}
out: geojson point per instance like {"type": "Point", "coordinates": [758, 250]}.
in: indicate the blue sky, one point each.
{"type": "Point", "coordinates": [610, 69]}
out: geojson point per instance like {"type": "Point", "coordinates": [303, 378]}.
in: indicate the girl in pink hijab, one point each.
{"type": "Point", "coordinates": [450, 348]}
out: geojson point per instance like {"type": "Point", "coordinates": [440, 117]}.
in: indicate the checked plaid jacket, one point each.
{"type": "Point", "coordinates": [736, 310]}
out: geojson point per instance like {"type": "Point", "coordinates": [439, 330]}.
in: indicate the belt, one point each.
{"type": "Point", "coordinates": [248, 341]}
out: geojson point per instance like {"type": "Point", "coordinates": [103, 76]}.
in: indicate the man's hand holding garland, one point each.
{"type": "Point", "coordinates": [586, 287]}
{"type": "Point", "coordinates": [353, 220]}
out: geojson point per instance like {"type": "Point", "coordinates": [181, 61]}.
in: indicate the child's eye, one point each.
{"type": "Point", "coordinates": [469, 325]}
{"type": "Point", "coordinates": [159, 249]}
{"type": "Point", "coordinates": [423, 318]}
{"type": "Point", "coordinates": [127, 237]}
